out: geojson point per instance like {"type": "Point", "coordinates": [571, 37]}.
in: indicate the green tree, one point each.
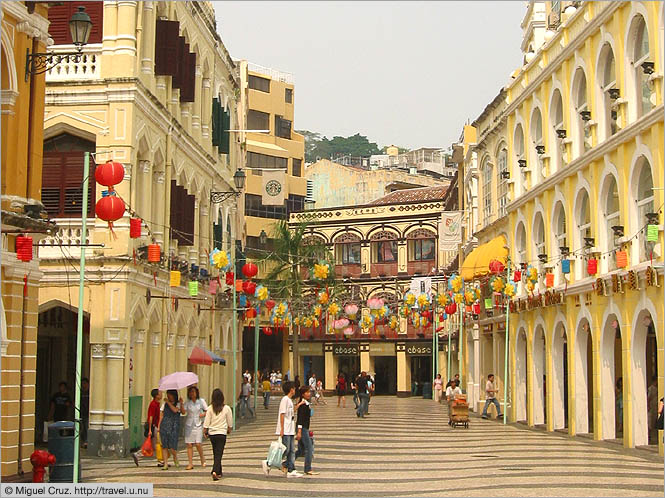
{"type": "Point", "coordinates": [286, 279]}
{"type": "Point", "coordinates": [321, 147]}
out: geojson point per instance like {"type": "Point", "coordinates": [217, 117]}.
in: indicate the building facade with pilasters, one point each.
{"type": "Point", "coordinates": [156, 91]}
{"type": "Point", "coordinates": [584, 126]}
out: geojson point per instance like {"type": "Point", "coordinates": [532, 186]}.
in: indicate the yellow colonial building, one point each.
{"type": "Point", "coordinates": [582, 143]}
{"type": "Point", "coordinates": [156, 91]}
{"type": "Point", "coordinates": [24, 27]}
{"type": "Point", "coordinates": [380, 250]}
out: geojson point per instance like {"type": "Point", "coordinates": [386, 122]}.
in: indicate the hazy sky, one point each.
{"type": "Point", "coordinates": [406, 73]}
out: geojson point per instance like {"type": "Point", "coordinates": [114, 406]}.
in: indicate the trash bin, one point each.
{"type": "Point", "coordinates": [427, 390]}
{"type": "Point", "coordinates": [61, 445]}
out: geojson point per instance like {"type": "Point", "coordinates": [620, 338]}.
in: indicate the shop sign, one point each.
{"type": "Point", "coordinates": [345, 349]}
{"type": "Point", "coordinates": [419, 349]}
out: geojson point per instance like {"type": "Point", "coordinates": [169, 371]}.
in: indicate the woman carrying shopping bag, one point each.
{"type": "Point", "coordinates": [217, 424]}
{"type": "Point", "coordinates": [196, 410]}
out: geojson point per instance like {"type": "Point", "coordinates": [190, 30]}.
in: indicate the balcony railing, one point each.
{"type": "Point", "coordinates": [383, 269]}
{"type": "Point", "coordinates": [66, 242]}
{"type": "Point", "coordinates": [87, 68]}
{"type": "Point", "coordinates": [271, 73]}
{"type": "Point", "coordinates": [420, 267]}
{"type": "Point", "coordinates": [348, 270]}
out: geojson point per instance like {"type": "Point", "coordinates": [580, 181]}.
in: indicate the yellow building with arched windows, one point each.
{"type": "Point", "coordinates": [583, 125]}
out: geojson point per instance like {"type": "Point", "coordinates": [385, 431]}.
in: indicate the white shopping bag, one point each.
{"type": "Point", "coordinates": [275, 453]}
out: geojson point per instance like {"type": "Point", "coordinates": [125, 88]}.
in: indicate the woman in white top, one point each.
{"type": "Point", "coordinates": [438, 388]}
{"type": "Point", "coordinates": [217, 424]}
{"type": "Point", "coordinates": [195, 408]}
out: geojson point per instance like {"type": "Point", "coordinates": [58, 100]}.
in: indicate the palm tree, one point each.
{"type": "Point", "coordinates": [285, 279]}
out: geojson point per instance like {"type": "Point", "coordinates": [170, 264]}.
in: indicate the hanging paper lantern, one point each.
{"type": "Point", "coordinates": [622, 259]}
{"type": "Point", "coordinates": [135, 228]}
{"type": "Point", "coordinates": [410, 298]}
{"type": "Point", "coordinates": [497, 284]}
{"type": "Point", "coordinates": [592, 266]}
{"type": "Point", "coordinates": [351, 311]}
{"type": "Point", "coordinates": [333, 309]}
{"type": "Point", "coordinates": [532, 274]}
{"type": "Point", "coordinates": [267, 330]}
{"type": "Point", "coordinates": [467, 308]}
{"type": "Point", "coordinates": [261, 293]}
{"type": "Point", "coordinates": [154, 253]}
{"type": "Point", "coordinates": [174, 280]}
{"type": "Point", "coordinates": [367, 321]}
{"type": "Point", "coordinates": [317, 310]}
{"type": "Point", "coordinates": [530, 286]}
{"type": "Point", "coordinates": [239, 284]}
{"type": "Point", "coordinates": [340, 324]}
{"type": "Point", "coordinates": [488, 303]}
{"type": "Point", "coordinates": [229, 277]}
{"type": "Point", "coordinates": [249, 287]}
{"type": "Point", "coordinates": [509, 290]}
{"type": "Point", "coordinates": [496, 266]}
{"type": "Point", "coordinates": [445, 316]}
{"type": "Point", "coordinates": [348, 331]}
{"type": "Point", "coordinates": [213, 286]}
{"type": "Point", "coordinates": [442, 299]}
{"type": "Point", "coordinates": [456, 283]}
{"type": "Point", "coordinates": [549, 279]}
{"type": "Point", "coordinates": [321, 271]}
{"type": "Point", "coordinates": [652, 233]}
{"type": "Point", "coordinates": [242, 301]}
{"type": "Point", "coordinates": [270, 304]}
{"type": "Point", "coordinates": [322, 297]}
{"type": "Point", "coordinates": [250, 270]}
{"type": "Point", "coordinates": [250, 313]}
{"type": "Point", "coordinates": [427, 314]}
{"type": "Point", "coordinates": [423, 301]}
{"type": "Point", "coordinates": [476, 308]}
{"type": "Point", "coordinates": [109, 174]}
{"type": "Point", "coordinates": [110, 208]}
{"type": "Point", "coordinates": [24, 248]}
{"type": "Point", "coordinates": [565, 266]}
{"type": "Point", "coordinates": [469, 296]}
{"type": "Point", "coordinates": [193, 288]}
{"type": "Point", "coordinates": [517, 276]}
{"type": "Point", "coordinates": [393, 323]}
{"type": "Point", "coordinates": [451, 308]}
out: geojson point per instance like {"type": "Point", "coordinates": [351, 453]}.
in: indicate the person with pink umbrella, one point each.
{"type": "Point", "coordinates": [169, 427]}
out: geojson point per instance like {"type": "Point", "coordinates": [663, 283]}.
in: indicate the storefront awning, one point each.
{"type": "Point", "coordinates": [477, 263]}
{"type": "Point", "coordinates": [268, 147]}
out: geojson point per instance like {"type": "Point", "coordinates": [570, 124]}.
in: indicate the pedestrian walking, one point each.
{"type": "Point", "coordinates": [169, 427]}
{"type": "Point", "coordinates": [273, 377]}
{"type": "Point", "coordinates": [195, 407]}
{"type": "Point", "coordinates": [340, 388]}
{"type": "Point", "coordinates": [278, 378]}
{"type": "Point", "coordinates": [247, 376]}
{"type": "Point", "coordinates": [151, 427]}
{"type": "Point", "coordinates": [456, 379]}
{"type": "Point", "coordinates": [246, 390]}
{"type": "Point", "coordinates": [266, 392]}
{"type": "Point", "coordinates": [354, 389]}
{"type": "Point", "coordinates": [490, 397]}
{"type": "Point", "coordinates": [363, 395]}
{"type": "Point", "coordinates": [652, 407]}
{"type": "Point", "coordinates": [305, 443]}
{"type": "Point", "coordinates": [312, 383]}
{"type": "Point", "coordinates": [438, 388]}
{"type": "Point", "coordinates": [286, 430]}
{"type": "Point", "coordinates": [61, 401]}
{"type": "Point", "coordinates": [217, 425]}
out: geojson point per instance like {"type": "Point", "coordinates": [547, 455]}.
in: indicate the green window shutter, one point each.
{"type": "Point", "coordinates": [215, 124]}
{"type": "Point", "coordinates": [225, 139]}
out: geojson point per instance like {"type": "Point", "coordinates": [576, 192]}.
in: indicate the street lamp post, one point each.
{"type": "Point", "coordinates": [263, 239]}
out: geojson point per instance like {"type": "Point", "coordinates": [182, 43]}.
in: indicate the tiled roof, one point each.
{"type": "Point", "coordinates": [424, 194]}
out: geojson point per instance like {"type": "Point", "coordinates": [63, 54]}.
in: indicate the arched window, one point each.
{"type": "Point", "coordinates": [519, 156]}
{"type": "Point", "coordinates": [539, 235]}
{"type": "Point", "coordinates": [487, 193]}
{"type": "Point", "coordinates": [583, 222]}
{"type": "Point", "coordinates": [640, 56]}
{"type": "Point", "coordinates": [612, 217]}
{"type": "Point", "coordinates": [520, 245]}
{"type": "Point", "coordinates": [607, 81]}
{"type": "Point", "coordinates": [556, 123]}
{"type": "Point", "coordinates": [229, 234]}
{"type": "Point", "coordinates": [582, 136]}
{"type": "Point", "coordinates": [347, 249]}
{"type": "Point", "coordinates": [560, 234]}
{"type": "Point", "coordinates": [645, 204]}
{"type": "Point", "coordinates": [537, 144]}
{"type": "Point", "coordinates": [502, 188]}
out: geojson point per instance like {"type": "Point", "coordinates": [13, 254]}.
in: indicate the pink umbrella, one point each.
{"type": "Point", "coordinates": [178, 380]}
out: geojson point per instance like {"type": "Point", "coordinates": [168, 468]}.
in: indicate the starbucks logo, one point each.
{"type": "Point", "coordinates": [273, 187]}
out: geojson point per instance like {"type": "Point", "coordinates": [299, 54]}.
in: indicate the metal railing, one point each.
{"type": "Point", "coordinates": [271, 73]}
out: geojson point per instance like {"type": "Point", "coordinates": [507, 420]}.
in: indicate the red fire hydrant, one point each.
{"type": "Point", "coordinates": [40, 459]}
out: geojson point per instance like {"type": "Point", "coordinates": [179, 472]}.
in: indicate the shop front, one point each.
{"type": "Point", "coordinates": [419, 357]}
{"type": "Point", "coordinates": [383, 364]}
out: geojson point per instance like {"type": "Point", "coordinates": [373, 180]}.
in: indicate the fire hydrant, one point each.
{"type": "Point", "coordinates": [40, 459]}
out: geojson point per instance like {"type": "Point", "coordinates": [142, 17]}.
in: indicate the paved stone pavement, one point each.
{"type": "Point", "coordinates": [405, 448]}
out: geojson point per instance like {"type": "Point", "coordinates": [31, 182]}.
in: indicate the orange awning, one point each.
{"type": "Point", "coordinates": [476, 264]}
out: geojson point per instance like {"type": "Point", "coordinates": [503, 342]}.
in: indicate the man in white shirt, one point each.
{"type": "Point", "coordinates": [312, 383]}
{"type": "Point", "coordinates": [452, 392]}
{"type": "Point", "coordinates": [490, 397]}
{"type": "Point", "coordinates": [286, 429]}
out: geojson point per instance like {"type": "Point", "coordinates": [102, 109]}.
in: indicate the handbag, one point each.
{"type": "Point", "coordinates": [146, 448]}
{"type": "Point", "coordinates": [275, 454]}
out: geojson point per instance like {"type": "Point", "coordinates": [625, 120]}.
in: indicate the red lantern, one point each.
{"type": "Point", "coordinates": [592, 266]}
{"type": "Point", "coordinates": [250, 313]}
{"type": "Point", "coordinates": [549, 279]}
{"type": "Point", "coordinates": [496, 266]}
{"type": "Point", "coordinates": [426, 314]}
{"type": "Point", "coordinates": [135, 228]}
{"type": "Point", "coordinates": [110, 173]}
{"type": "Point", "coordinates": [249, 287]}
{"type": "Point", "coordinates": [229, 278]}
{"type": "Point", "coordinates": [270, 304]}
{"type": "Point", "coordinates": [451, 308]}
{"type": "Point", "coordinates": [476, 308]}
{"type": "Point", "coordinates": [441, 317]}
{"type": "Point", "coordinates": [239, 285]}
{"type": "Point", "coordinates": [517, 277]}
{"type": "Point", "coordinates": [250, 270]}
{"type": "Point", "coordinates": [154, 253]}
{"type": "Point", "coordinates": [468, 308]}
{"type": "Point", "coordinates": [110, 208]}
{"type": "Point", "coordinates": [267, 330]}
{"type": "Point", "coordinates": [622, 259]}
{"type": "Point", "coordinates": [24, 248]}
